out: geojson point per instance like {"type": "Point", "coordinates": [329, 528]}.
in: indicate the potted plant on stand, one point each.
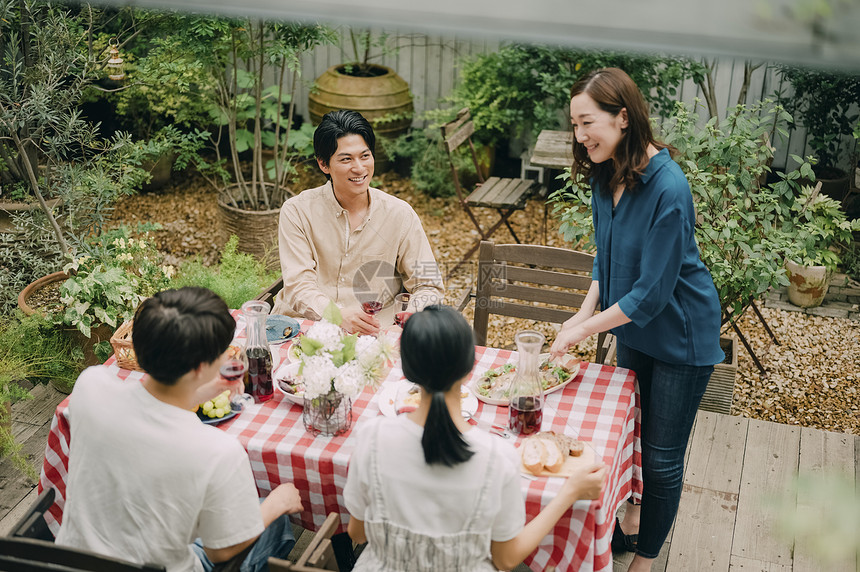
{"type": "Point", "coordinates": [825, 103]}
{"type": "Point", "coordinates": [819, 228]}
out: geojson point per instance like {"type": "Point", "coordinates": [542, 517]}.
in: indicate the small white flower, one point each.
{"type": "Point", "coordinates": [318, 371]}
{"type": "Point", "coordinates": [350, 379]}
{"type": "Point", "coordinates": [328, 334]}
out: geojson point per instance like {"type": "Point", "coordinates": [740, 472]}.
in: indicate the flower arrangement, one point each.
{"type": "Point", "coordinates": [334, 361]}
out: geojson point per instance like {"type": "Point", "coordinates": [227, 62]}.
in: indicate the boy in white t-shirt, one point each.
{"type": "Point", "coordinates": [146, 477]}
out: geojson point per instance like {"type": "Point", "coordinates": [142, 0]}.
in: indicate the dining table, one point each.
{"type": "Point", "coordinates": [599, 407]}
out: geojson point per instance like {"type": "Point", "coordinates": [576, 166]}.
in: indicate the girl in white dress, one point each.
{"type": "Point", "coordinates": [427, 490]}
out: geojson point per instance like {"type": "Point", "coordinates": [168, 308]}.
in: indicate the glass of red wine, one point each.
{"type": "Point", "coordinates": [401, 308]}
{"type": "Point", "coordinates": [233, 370]}
{"type": "Point", "coordinates": [371, 306]}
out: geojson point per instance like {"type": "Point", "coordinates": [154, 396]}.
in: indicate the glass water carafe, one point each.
{"type": "Point", "coordinates": [526, 391]}
{"type": "Point", "coordinates": [259, 380]}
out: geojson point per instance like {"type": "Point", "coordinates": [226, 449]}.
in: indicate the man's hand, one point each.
{"type": "Point", "coordinates": [356, 320]}
{"type": "Point", "coordinates": [287, 499]}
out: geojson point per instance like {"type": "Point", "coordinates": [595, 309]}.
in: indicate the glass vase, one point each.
{"type": "Point", "coordinates": [329, 414]}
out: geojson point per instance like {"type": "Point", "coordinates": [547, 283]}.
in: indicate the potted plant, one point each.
{"type": "Point", "coordinates": [819, 228]}
{"type": "Point", "coordinates": [374, 90]}
{"type": "Point", "coordinates": [825, 103]}
{"type": "Point", "coordinates": [98, 290]}
{"type": "Point", "coordinates": [238, 56]}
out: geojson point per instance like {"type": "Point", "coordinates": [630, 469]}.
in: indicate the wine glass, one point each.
{"type": "Point", "coordinates": [233, 370]}
{"type": "Point", "coordinates": [371, 304]}
{"type": "Point", "coordinates": [401, 308]}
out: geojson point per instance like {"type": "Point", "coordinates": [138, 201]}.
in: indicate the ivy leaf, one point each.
{"type": "Point", "coordinates": [332, 314]}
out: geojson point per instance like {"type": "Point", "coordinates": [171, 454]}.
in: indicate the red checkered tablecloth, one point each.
{"type": "Point", "coordinates": [599, 406]}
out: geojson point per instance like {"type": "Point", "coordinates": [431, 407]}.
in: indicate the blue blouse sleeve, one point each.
{"type": "Point", "coordinates": [662, 255]}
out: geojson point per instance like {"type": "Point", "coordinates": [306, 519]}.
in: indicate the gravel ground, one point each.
{"type": "Point", "coordinates": [811, 378]}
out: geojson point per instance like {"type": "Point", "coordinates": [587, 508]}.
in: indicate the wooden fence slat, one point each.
{"type": "Point", "coordinates": [770, 463]}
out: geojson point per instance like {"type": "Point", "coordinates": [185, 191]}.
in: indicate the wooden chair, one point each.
{"type": "Point", "coordinates": [31, 555]}
{"type": "Point", "coordinates": [513, 277]}
{"type": "Point", "coordinates": [268, 295]}
{"type": "Point", "coordinates": [319, 554]}
{"type": "Point", "coordinates": [504, 195]}
{"type": "Point", "coordinates": [30, 548]}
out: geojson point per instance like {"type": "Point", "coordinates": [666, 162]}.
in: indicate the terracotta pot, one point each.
{"type": "Point", "coordinates": [807, 285]}
{"type": "Point", "coordinates": [98, 334]}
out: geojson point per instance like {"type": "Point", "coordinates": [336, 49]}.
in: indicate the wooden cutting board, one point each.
{"type": "Point", "coordinates": [570, 464]}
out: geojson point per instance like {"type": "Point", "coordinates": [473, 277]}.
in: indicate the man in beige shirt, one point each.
{"type": "Point", "coordinates": [348, 243]}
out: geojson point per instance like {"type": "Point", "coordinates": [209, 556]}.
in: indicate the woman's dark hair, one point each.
{"type": "Point", "coordinates": [437, 349]}
{"type": "Point", "coordinates": [337, 124]}
{"type": "Point", "coordinates": [613, 90]}
{"type": "Point", "coordinates": [177, 330]}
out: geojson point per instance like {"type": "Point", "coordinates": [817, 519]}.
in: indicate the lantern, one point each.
{"type": "Point", "coordinates": [114, 63]}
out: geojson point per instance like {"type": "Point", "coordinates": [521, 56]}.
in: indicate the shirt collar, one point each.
{"type": "Point", "coordinates": [372, 197]}
{"type": "Point", "coordinates": [654, 165]}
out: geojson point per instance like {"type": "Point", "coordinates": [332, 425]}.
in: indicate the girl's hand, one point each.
{"type": "Point", "coordinates": [586, 482]}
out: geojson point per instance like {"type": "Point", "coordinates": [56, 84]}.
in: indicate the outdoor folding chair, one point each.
{"type": "Point", "coordinates": [268, 295]}
{"type": "Point", "coordinates": [513, 277]}
{"type": "Point", "coordinates": [504, 195]}
{"type": "Point", "coordinates": [319, 554]}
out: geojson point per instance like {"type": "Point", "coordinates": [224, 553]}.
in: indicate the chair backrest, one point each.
{"type": "Point", "coordinates": [31, 555]}
{"type": "Point", "coordinates": [512, 277]}
{"type": "Point", "coordinates": [318, 555]}
{"type": "Point", "coordinates": [32, 524]}
{"type": "Point", "coordinates": [268, 295]}
{"type": "Point", "coordinates": [454, 134]}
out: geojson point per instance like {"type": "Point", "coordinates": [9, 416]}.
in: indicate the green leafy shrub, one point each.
{"type": "Point", "coordinates": [237, 278]}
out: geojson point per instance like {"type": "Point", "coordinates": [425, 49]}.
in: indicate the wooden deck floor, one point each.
{"type": "Point", "coordinates": [735, 467]}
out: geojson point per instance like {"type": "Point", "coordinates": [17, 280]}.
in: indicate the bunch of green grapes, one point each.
{"type": "Point", "coordinates": [218, 407]}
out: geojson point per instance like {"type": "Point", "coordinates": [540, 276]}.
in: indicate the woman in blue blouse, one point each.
{"type": "Point", "coordinates": [659, 298]}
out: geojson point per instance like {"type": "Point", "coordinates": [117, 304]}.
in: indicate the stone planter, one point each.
{"type": "Point", "coordinates": [721, 387]}
{"type": "Point", "coordinates": [98, 334]}
{"type": "Point", "coordinates": [807, 285]}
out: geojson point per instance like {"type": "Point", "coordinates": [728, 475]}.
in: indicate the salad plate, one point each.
{"type": "Point", "coordinates": [491, 386]}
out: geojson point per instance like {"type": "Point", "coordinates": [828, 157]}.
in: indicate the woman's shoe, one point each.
{"type": "Point", "coordinates": [623, 542]}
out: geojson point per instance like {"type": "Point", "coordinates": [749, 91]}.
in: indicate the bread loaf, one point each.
{"type": "Point", "coordinates": [554, 456]}
{"type": "Point", "coordinates": [534, 454]}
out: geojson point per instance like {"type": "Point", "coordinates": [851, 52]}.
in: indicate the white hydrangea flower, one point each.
{"type": "Point", "coordinates": [349, 379]}
{"type": "Point", "coordinates": [317, 373]}
{"type": "Point", "coordinates": [328, 334]}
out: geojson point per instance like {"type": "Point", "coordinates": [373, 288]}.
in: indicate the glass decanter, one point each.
{"type": "Point", "coordinates": [526, 391]}
{"type": "Point", "coordinates": [259, 380]}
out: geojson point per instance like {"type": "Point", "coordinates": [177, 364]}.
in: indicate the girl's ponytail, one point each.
{"type": "Point", "coordinates": [437, 349]}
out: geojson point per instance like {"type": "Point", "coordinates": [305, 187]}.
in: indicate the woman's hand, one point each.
{"type": "Point", "coordinates": [568, 336]}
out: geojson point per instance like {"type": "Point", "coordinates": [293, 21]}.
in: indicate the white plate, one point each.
{"type": "Point", "coordinates": [391, 395]}
{"type": "Point", "coordinates": [288, 369]}
{"type": "Point", "coordinates": [473, 384]}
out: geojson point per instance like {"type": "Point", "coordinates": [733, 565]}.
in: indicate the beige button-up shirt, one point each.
{"type": "Point", "coordinates": [322, 260]}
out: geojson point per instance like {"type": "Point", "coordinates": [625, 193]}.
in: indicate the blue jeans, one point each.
{"type": "Point", "coordinates": [277, 540]}
{"type": "Point", "coordinates": [669, 397]}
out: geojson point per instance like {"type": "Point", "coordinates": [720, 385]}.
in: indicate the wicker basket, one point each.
{"type": "Point", "coordinates": [122, 348]}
